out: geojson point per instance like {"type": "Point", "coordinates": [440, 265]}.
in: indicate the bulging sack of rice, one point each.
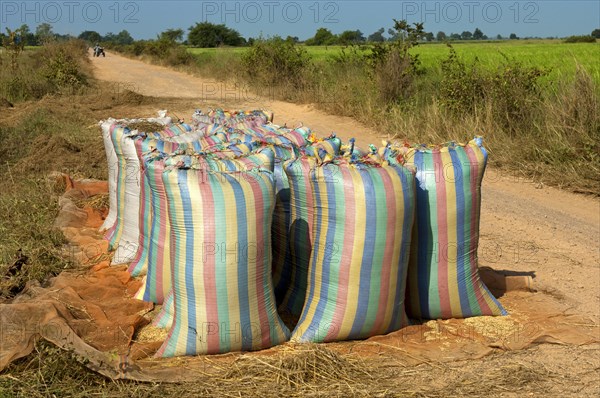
{"type": "Point", "coordinates": [126, 231]}
{"type": "Point", "coordinates": [271, 134]}
{"type": "Point", "coordinates": [443, 273]}
{"type": "Point", "coordinates": [129, 186]}
{"type": "Point", "coordinates": [322, 147]}
{"type": "Point", "coordinates": [157, 254]}
{"type": "Point", "coordinates": [290, 260]}
{"type": "Point", "coordinates": [291, 280]}
{"type": "Point", "coordinates": [113, 170]}
{"type": "Point", "coordinates": [222, 289]}
{"type": "Point", "coordinates": [190, 142]}
{"type": "Point", "coordinates": [114, 165]}
{"type": "Point", "coordinates": [281, 211]}
{"type": "Point", "coordinates": [232, 119]}
{"type": "Point", "coordinates": [363, 215]}
{"type": "Point", "coordinates": [164, 318]}
{"type": "Point", "coordinates": [124, 235]}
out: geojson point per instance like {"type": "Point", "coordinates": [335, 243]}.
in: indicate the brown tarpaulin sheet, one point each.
{"type": "Point", "coordinates": [90, 312]}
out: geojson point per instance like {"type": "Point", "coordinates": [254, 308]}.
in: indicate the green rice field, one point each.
{"type": "Point", "coordinates": [560, 58]}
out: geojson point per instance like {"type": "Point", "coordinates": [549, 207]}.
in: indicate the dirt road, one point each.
{"type": "Point", "coordinates": [525, 227]}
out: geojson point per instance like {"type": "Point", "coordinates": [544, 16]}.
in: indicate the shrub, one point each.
{"type": "Point", "coordinates": [63, 69]}
{"type": "Point", "coordinates": [580, 39]}
{"type": "Point", "coordinates": [165, 50]}
{"type": "Point", "coordinates": [276, 61]}
{"type": "Point", "coordinates": [511, 92]}
{"type": "Point", "coordinates": [462, 85]}
{"type": "Point", "coordinates": [394, 67]}
{"type": "Point", "coordinates": [54, 68]}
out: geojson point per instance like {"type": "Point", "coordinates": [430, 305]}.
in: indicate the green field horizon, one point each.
{"type": "Point", "coordinates": [561, 59]}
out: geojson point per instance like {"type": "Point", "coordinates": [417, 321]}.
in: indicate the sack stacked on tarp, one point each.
{"type": "Point", "coordinates": [190, 142]}
{"type": "Point", "coordinates": [232, 119]}
{"type": "Point", "coordinates": [123, 236]}
{"type": "Point", "coordinates": [237, 216]}
{"type": "Point", "coordinates": [290, 260]}
{"type": "Point", "coordinates": [223, 294]}
{"type": "Point", "coordinates": [157, 283]}
{"type": "Point", "coordinates": [443, 273]}
{"type": "Point", "coordinates": [113, 164]}
{"type": "Point", "coordinates": [363, 215]}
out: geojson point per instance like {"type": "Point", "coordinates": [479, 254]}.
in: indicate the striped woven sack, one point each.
{"type": "Point", "coordinates": [113, 169]}
{"type": "Point", "coordinates": [233, 119]}
{"type": "Point", "coordinates": [122, 236]}
{"type": "Point", "coordinates": [363, 216]}
{"type": "Point", "coordinates": [281, 212]}
{"type": "Point", "coordinates": [290, 273]}
{"type": "Point", "coordinates": [323, 147]}
{"type": "Point", "coordinates": [118, 168]}
{"type": "Point", "coordinates": [126, 238]}
{"type": "Point", "coordinates": [223, 294]}
{"type": "Point", "coordinates": [443, 274]}
{"type": "Point", "coordinates": [271, 135]}
{"type": "Point", "coordinates": [169, 145]}
{"type": "Point", "coordinates": [157, 253]}
{"type": "Point", "coordinates": [292, 278]}
{"type": "Point", "coordinates": [164, 318]}
{"type": "Point", "coordinates": [298, 136]}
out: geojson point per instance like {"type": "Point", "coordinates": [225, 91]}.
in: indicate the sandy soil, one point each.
{"type": "Point", "coordinates": [525, 227]}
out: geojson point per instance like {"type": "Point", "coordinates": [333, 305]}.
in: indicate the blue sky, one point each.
{"type": "Point", "coordinates": [144, 19]}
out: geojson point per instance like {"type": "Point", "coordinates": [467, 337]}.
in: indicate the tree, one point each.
{"type": "Point", "coordinates": [499, 37]}
{"type": "Point", "coordinates": [394, 34]}
{"type": "Point", "coordinates": [377, 37]}
{"type": "Point", "coordinates": [323, 37]}
{"type": "Point", "coordinates": [292, 39]}
{"type": "Point", "coordinates": [43, 33]}
{"type": "Point", "coordinates": [171, 35]}
{"type": "Point", "coordinates": [429, 36]}
{"type": "Point", "coordinates": [596, 33]}
{"type": "Point", "coordinates": [123, 37]}
{"type": "Point", "coordinates": [466, 35]}
{"type": "Point", "coordinates": [14, 44]}
{"type": "Point", "coordinates": [513, 36]}
{"type": "Point", "coordinates": [393, 66]}
{"type": "Point", "coordinates": [455, 36]}
{"type": "Point", "coordinates": [441, 36]}
{"type": "Point", "coordinates": [25, 35]}
{"type": "Point", "coordinates": [208, 35]}
{"type": "Point", "coordinates": [351, 37]}
{"type": "Point", "coordinates": [91, 36]}
{"type": "Point", "coordinates": [478, 34]}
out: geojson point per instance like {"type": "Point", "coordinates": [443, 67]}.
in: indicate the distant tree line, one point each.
{"type": "Point", "coordinates": [206, 34]}
{"type": "Point", "coordinates": [43, 33]}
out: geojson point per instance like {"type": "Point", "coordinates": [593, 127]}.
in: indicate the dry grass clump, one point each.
{"type": "Point", "coordinates": [96, 202]}
{"type": "Point", "coordinates": [298, 365]}
{"type": "Point", "coordinates": [150, 333]}
{"type": "Point", "coordinates": [145, 127]}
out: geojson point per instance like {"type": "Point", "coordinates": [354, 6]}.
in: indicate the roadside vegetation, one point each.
{"type": "Point", "coordinates": [535, 102]}
{"type": "Point", "coordinates": [49, 107]}
{"type": "Point", "coordinates": [44, 138]}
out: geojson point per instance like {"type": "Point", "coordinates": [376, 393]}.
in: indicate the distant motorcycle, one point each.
{"type": "Point", "coordinates": [99, 51]}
